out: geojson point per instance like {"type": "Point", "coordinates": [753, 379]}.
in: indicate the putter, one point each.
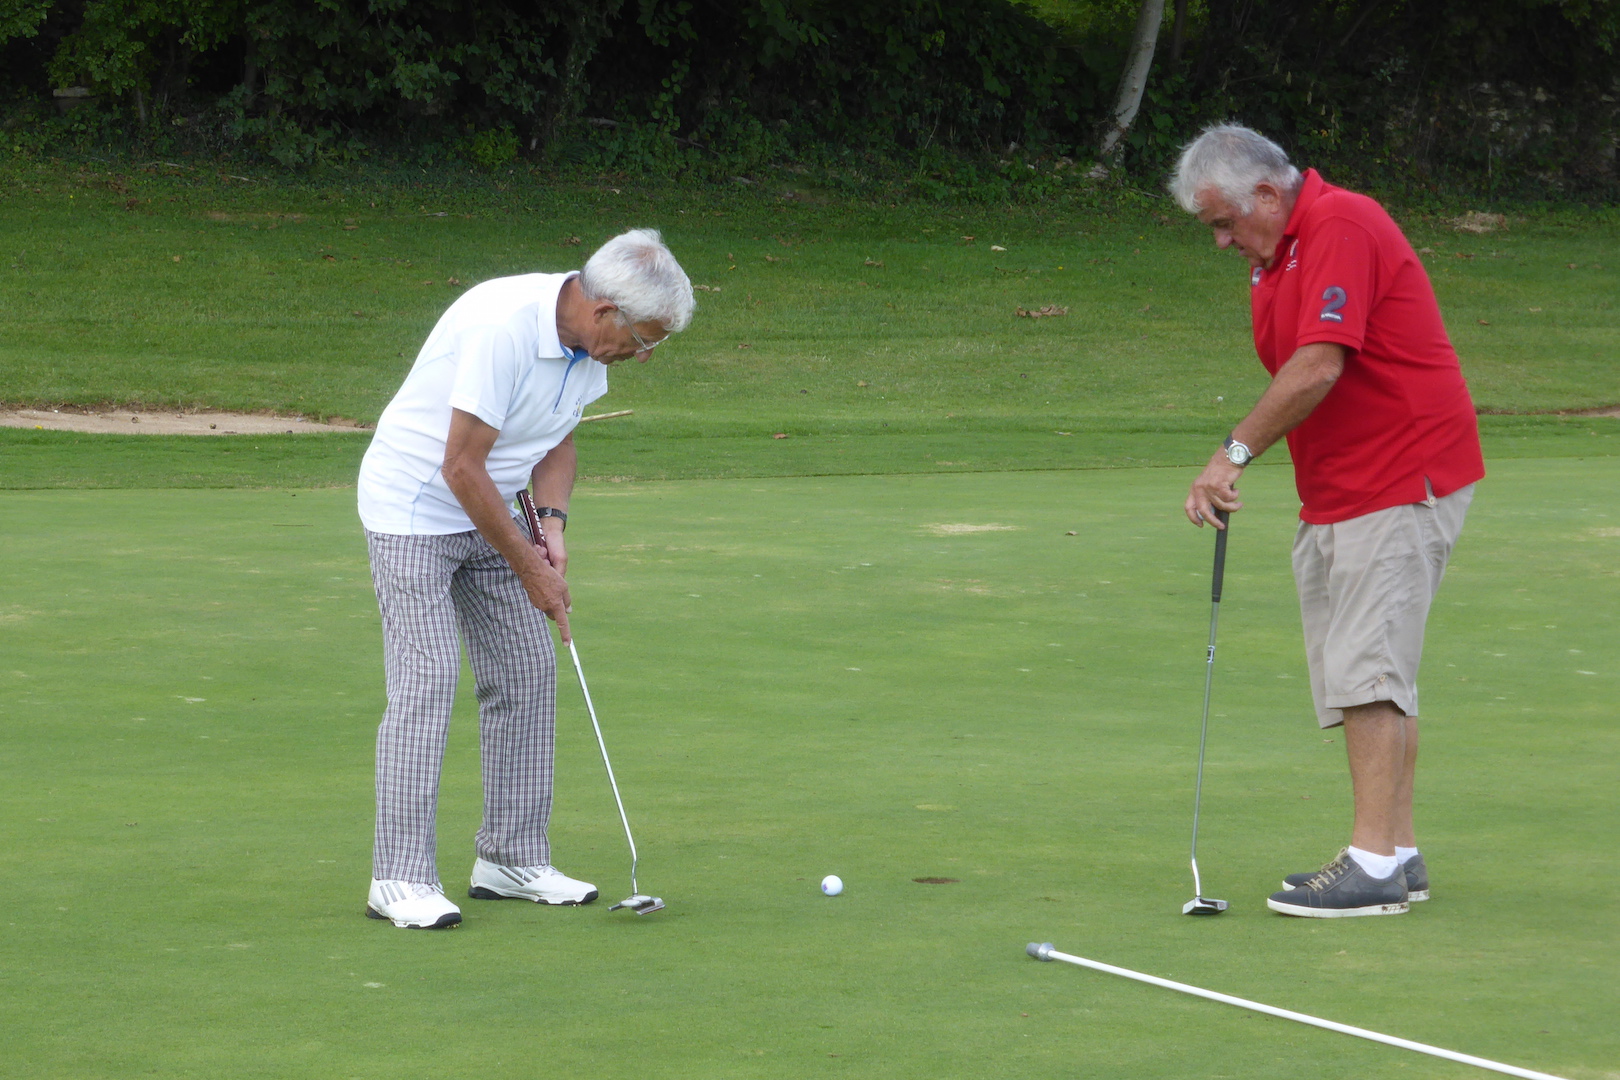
{"type": "Point", "coordinates": [637, 901]}
{"type": "Point", "coordinates": [1201, 904]}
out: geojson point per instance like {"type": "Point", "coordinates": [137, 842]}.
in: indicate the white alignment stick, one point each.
{"type": "Point", "coordinates": [1047, 952]}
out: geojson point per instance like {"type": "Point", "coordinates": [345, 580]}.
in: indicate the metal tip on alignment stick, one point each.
{"type": "Point", "coordinates": [1047, 952]}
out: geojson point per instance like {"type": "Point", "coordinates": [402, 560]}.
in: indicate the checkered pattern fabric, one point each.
{"type": "Point", "coordinates": [435, 593]}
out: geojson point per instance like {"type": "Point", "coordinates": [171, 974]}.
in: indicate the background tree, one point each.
{"type": "Point", "coordinates": [1514, 97]}
{"type": "Point", "coordinates": [1133, 80]}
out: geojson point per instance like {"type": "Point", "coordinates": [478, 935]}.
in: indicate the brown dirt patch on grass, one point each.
{"type": "Point", "coordinates": [122, 421]}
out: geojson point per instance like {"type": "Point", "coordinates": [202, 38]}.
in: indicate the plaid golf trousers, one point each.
{"type": "Point", "coordinates": [434, 593]}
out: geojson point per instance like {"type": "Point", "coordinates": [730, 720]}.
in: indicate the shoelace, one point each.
{"type": "Point", "coordinates": [1329, 873]}
{"type": "Point", "coordinates": [421, 889]}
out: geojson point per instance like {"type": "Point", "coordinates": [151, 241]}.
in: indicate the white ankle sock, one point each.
{"type": "Point", "coordinates": [1406, 854]}
{"type": "Point", "coordinates": [1378, 866]}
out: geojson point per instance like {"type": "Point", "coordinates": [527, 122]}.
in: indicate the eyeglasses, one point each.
{"type": "Point", "coordinates": [642, 345]}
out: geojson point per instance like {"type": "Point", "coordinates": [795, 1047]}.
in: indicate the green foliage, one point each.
{"type": "Point", "coordinates": [141, 45]}
{"type": "Point", "coordinates": [22, 18]}
{"type": "Point", "coordinates": [744, 80]}
{"type": "Point", "coordinates": [493, 148]}
{"type": "Point", "coordinates": [1493, 97]}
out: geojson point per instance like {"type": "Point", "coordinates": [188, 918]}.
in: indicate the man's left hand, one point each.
{"type": "Point", "coordinates": [1215, 489]}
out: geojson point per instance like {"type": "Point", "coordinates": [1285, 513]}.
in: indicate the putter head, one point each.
{"type": "Point", "coordinates": [1043, 951]}
{"type": "Point", "coordinates": [640, 903]}
{"type": "Point", "coordinates": [1203, 905]}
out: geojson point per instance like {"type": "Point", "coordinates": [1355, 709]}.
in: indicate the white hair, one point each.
{"type": "Point", "coordinates": [637, 273]}
{"type": "Point", "coordinates": [1233, 160]}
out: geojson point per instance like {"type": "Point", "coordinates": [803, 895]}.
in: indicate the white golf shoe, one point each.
{"type": "Point", "coordinates": [413, 904]}
{"type": "Point", "coordinates": [542, 884]}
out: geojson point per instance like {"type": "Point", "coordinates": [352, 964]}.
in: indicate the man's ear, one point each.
{"type": "Point", "coordinates": [1268, 196]}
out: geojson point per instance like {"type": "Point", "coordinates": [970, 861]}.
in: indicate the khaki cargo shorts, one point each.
{"type": "Point", "coordinates": [1365, 586]}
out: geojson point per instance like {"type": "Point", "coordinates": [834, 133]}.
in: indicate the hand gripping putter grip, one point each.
{"type": "Point", "coordinates": [1201, 904]}
{"type": "Point", "coordinates": [637, 901]}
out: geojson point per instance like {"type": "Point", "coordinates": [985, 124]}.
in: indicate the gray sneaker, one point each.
{"type": "Point", "coordinates": [1417, 878]}
{"type": "Point", "coordinates": [1342, 889]}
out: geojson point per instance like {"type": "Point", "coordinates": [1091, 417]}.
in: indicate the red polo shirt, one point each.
{"type": "Point", "coordinates": [1400, 413]}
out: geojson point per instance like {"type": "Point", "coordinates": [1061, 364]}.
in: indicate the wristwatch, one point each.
{"type": "Point", "coordinates": [552, 512]}
{"type": "Point", "coordinates": [1237, 453]}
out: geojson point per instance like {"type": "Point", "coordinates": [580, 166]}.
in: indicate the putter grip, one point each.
{"type": "Point", "coordinates": [533, 519]}
{"type": "Point", "coordinates": [1220, 556]}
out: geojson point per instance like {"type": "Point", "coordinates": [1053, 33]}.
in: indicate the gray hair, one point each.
{"type": "Point", "coordinates": [1233, 160]}
{"type": "Point", "coordinates": [638, 274]}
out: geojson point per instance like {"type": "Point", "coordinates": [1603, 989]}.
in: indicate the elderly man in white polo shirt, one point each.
{"type": "Point", "coordinates": [488, 408]}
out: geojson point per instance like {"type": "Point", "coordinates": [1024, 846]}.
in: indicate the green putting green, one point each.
{"type": "Point", "coordinates": [884, 677]}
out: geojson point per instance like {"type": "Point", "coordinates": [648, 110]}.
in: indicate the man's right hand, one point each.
{"type": "Point", "coordinates": [1215, 489]}
{"type": "Point", "coordinates": [548, 591]}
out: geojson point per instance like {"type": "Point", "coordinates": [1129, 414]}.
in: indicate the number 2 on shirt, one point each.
{"type": "Point", "coordinates": [1335, 298]}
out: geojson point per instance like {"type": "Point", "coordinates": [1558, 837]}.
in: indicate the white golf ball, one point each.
{"type": "Point", "coordinates": [832, 884]}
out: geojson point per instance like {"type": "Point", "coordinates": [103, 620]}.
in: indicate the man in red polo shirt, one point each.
{"type": "Point", "coordinates": [1368, 391]}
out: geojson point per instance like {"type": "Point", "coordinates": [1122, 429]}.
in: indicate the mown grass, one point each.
{"type": "Point", "coordinates": [887, 327]}
{"type": "Point", "coordinates": [797, 677]}
{"type": "Point", "coordinates": [636, 448]}
{"type": "Point", "coordinates": [800, 672]}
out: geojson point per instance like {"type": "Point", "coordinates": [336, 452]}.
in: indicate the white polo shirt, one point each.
{"type": "Point", "coordinates": [494, 354]}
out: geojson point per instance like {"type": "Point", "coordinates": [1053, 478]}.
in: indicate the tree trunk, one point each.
{"type": "Point", "coordinates": [1134, 79]}
{"type": "Point", "coordinates": [1178, 33]}
{"type": "Point", "coordinates": [587, 26]}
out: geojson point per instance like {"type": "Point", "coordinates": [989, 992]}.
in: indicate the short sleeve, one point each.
{"type": "Point", "coordinates": [1339, 280]}
{"type": "Point", "coordinates": [486, 374]}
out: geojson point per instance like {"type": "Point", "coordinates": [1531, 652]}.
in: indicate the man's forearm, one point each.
{"type": "Point", "coordinates": [481, 499]}
{"type": "Point", "coordinates": [553, 476]}
{"type": "Point", "coordinates": [1297, 389]}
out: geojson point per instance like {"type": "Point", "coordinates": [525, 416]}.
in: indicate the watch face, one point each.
{"type": "Point", "coordinates": [1238, 454]}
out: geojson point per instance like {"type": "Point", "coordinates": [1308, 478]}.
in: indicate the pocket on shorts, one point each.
{"type": "Point", "coordinates": [1400, 549]}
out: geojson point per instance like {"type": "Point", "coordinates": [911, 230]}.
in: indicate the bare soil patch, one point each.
{"type": "Point", "coordinates": [961, 528]}
{"type": "Point", "coordinates": [166, 422]}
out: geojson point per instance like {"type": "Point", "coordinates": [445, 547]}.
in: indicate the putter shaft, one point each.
{"type": "Point", "coordinates": [1216, 580]}
{"type": "Point", "coordinates": [640, 904]}
{"type": "Point", "coordinates": [612, 782]}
